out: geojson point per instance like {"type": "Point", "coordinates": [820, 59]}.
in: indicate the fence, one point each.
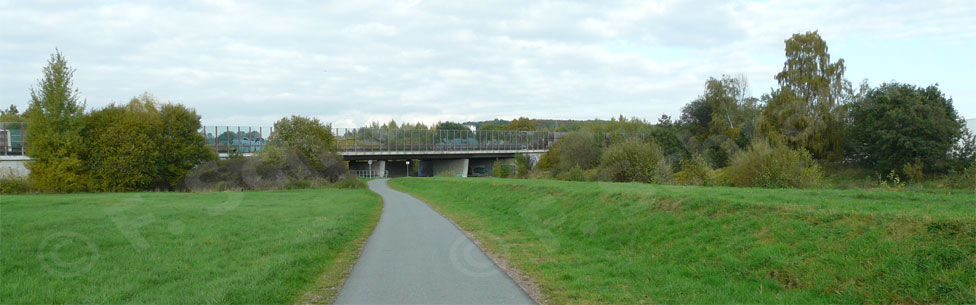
{"type": "Point", "coordinates": [371, 173]}
{"type": "Point", "coordinates": [236, 139]}
{"type": "Point", "coordinates": [365, 140]}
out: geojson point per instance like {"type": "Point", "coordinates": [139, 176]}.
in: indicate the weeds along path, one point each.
{"type": "Point", "coordinates": [416, 256]}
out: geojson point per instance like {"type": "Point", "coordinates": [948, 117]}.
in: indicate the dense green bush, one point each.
{"type": "Point", "coordinates": [549, 161]}
{"type": "Point", "coordinates": [15, 185]}
{"type": "Point", "coordinates": [501, 169]}
{"type": "Point", "coordinates": [663, 172]}
{"type": "Point", "coordinates": [308, 139]}
{"type": "Point", "coordinates": [897, 124]}
{"type": "Point", "coordinates": [695, 171]}
{"type": "Point", "coordinates": [572, 150]}
{"type": "Point", "coordinates": [142, 145]}
{"type": "Point", "coordinates": [298, 185]}
{"type": "Point", "coordinates": [963, 154]}
{"type": "Point", "coordinates": [632, 160]}
{"type": "Point", "coordinates": [289, 164]}
{"type": "Point", "coordinates": [183, 144]}
{"type": "Point", "coordinates": [774, 166]}
{"type": "Point", "coordinates": [523, 165]}
{"type": "Point", "coordinates": [350, 182]}
{"type": "Point", "coordinates": [913, 172]}
{"type": "Point", "coordinates": [576, 173]}
{"type": "Point", "coordinates": [964, 179]}
{"type": "Point", "coordinates": [121, 151]}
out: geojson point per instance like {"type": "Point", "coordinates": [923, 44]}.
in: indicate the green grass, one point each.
{"type": "Point", "coordinates": [587, 242]}
{"type": "Point", "coordinates": [167, 248]}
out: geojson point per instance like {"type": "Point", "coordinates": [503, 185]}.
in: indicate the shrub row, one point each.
{"type": "Point", "coordinates": [762, 164]}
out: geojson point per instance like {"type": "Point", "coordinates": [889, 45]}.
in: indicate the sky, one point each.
{"type": "Point", "coordinates": [354, 62]}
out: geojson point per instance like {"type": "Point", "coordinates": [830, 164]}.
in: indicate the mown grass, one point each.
{"type": "Point", "coordinates": [268, 247]}
{"type": "Point", "coordinates": [586, 242]}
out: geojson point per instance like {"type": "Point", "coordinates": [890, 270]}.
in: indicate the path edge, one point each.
{"type": "Point", "coordinates": [526, 283]}
{"type": "Point", "coordinates": [329, 283]}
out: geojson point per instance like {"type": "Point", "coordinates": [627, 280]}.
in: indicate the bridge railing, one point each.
{"type": "Point", "coordinates": [236, 139]}
{"type": "Point", "coordinates": [366, 140]}
{"type": "Point", "coordinates": [250, 139]}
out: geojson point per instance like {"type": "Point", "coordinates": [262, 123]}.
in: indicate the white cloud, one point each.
{"type": "Point", "coordinates": [352, 62]}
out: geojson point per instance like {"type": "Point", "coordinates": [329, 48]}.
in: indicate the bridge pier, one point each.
{"type": "Point", "coordinates": [14, 166]}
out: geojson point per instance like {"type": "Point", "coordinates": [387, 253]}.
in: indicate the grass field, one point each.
{"type": "Point", "coordinates": [245, 247]}
{"type": "Point", "coordinates": [586, 242]}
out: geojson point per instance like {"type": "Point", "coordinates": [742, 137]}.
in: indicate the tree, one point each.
{"type": "Point", "coordinates": [311, 142]}
{"type": "Point", "coordinates": [306, 136]}
{"type": "Point", "coordinates": [811, 97]}
{"type": "Point", "coordinates": [721, 120]}
{"type": "Point", "coordinates": [12, 114]}
{"type": "Point", "coordinates": [963, 153]}
{"type": "Point", "coordinates": [185, 147]}
{"type": "Point", "coordinates": [696, 117]}
{"type": "Point", "coordinates": [897, 124]}
{"type": "Point", "coordinates": [665, 121]}
{"type": "Point", "coordinates": [54, 117]}
{"type": "Point", "coordinates": [501, 169]}
{"type": "Point", "coordinates": [450, 126]}
{"type": "Point", "coordinates": [523, 165]}
{"type": "Point", "coordinates": [521, 124]}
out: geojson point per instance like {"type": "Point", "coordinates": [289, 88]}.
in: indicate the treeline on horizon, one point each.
{"type": "Point", "coordinates": [784, 138]}
{"type": "Point", "coordinates": [814, 120]}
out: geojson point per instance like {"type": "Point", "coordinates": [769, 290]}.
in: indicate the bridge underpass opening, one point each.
{"type": "Point", "coordinates": [455, 167]}
{"type": "Point", "coordinates": [398, 168]}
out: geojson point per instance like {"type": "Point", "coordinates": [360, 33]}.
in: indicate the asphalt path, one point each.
{"type": "Point", "coordinates": [416, 256]}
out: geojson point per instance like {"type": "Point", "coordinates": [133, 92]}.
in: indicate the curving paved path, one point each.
{"type": "Point", "coordinates": [416, 256]}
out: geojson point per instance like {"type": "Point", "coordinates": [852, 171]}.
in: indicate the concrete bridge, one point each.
{"type": "Point", "coordinates": [386, 152]}
{"type": "Point", "coordinates": [371, 152]}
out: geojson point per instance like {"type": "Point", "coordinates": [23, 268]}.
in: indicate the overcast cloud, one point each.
{"type": "Point", "coordinates": [352, 62]}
